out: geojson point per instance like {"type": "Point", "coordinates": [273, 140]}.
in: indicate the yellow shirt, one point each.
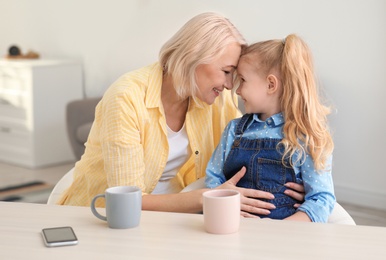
{"type": "Point", "coordinates": [128, 144]}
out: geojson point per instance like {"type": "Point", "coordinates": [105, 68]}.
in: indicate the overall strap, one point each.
{"type": "Point", "coordinates": [240, 128]}
{"type": "Point", "coordinates": [243, 123]}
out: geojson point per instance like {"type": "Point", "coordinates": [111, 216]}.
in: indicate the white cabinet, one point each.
{"type": "Point", "coordinates": [33, 99]}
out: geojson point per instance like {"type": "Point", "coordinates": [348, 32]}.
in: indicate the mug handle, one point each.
{"type": "Point", "coordinates": [93, 209]}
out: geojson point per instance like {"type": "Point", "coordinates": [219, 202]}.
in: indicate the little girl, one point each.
{"type": "Point", "coordinates": [284, 135]}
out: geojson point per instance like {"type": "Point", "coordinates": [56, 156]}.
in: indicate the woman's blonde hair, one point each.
{"type": "Point", "coordinates": [201, 40]}
{"type": "Point", "coordinates": [305, 115]}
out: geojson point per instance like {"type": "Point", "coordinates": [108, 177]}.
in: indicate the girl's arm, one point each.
{"type": "Point", "coordinates": [299, 216]}
{"type": "Point", "coordinates": [319, 192]}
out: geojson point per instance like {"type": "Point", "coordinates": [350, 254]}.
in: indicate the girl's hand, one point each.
{"type": "Point", "coordinates": [295, 191]}
{"type": "Point", "coordinates": [250, 202]}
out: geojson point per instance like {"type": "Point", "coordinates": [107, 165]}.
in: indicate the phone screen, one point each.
{"type": "Point", "coordinates": [59, 236]}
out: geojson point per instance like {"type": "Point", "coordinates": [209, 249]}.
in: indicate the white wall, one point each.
{"type": "Point", "coordinates": [348, 38]}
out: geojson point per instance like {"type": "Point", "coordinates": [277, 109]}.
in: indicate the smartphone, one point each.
{"type": "Point", "coordinates": [59, 236]}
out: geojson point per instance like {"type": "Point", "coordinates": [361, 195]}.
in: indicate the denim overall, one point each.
{"type": "Point", "coordinates": [265, 169]}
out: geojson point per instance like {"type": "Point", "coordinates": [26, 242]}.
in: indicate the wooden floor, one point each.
{"type": "Point", "coordinates": [11, 175]}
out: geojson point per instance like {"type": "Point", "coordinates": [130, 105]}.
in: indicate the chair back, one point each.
{"type": "Point", "coordinates": [61, 186]}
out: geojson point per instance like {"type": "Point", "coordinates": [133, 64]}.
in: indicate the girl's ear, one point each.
{"type": "Point", "coordinates": [272, 83]}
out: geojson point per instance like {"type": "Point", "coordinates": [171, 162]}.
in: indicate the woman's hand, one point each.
{"type": "Point", "coordinates": [250, 202]}
{"type": "Point", "coordinates": [295, 191]}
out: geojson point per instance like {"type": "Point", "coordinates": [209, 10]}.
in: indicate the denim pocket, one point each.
{"type": "Point", "coordinates": [270, 175]}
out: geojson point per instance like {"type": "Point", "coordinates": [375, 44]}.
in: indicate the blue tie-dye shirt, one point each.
{"type": "Point", "coordinates": [319, 188]}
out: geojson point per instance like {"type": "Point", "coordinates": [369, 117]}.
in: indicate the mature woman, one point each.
{"type": "Point", "coordinates": [156, 127]}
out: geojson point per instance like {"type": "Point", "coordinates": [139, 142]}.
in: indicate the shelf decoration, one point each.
{"type": "Point", "coordinates": [14, 52]}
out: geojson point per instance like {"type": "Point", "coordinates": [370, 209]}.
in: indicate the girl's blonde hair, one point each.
{"type": "Point", "coordinates": [305, 115]}
{"type": "Point", "coordinates": [201, 40]}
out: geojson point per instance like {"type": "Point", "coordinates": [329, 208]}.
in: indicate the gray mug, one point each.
{"type": "Point", "coordinates": [123, 206]}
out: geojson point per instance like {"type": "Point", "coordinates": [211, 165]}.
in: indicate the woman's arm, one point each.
{"type": "Point", "coordinates": [184, 202]}
{"type": "Point", "coordinates": [191, 202]}
{"type": "Point", "coordinates": [250, 202]}
{"type": "Point", "coordinates": [295, 191]}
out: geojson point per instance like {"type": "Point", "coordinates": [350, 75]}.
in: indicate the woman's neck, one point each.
{"type": "Point", "coordinates": [175, 108]}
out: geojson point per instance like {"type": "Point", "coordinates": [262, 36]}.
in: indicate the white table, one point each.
{"type": "Point", "coordinates": [179, 236]}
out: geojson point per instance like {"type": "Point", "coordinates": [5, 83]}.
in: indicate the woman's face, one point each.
{"type": "Point", "coordinates": [214, 77]}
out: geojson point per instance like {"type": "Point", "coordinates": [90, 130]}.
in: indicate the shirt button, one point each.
{"type": "Point", "coordinates": [196, 152]}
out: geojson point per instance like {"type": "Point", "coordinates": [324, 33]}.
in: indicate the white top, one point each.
{"type": "Point", "coordinates": [163, 235]}
{"type": "Point", "coordinates": [179, 153]}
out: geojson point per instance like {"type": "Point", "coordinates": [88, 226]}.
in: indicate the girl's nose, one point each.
{"type": "Point", "coordinates": [238, 91]}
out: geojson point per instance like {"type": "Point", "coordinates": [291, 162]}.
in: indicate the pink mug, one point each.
{"type": "Point", "coordinates": [221, 211]}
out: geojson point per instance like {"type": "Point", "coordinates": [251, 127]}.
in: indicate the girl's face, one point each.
{"type": "Point", "coordinates": [214, 77]}
{"type": "Point", "coordinates": [254, 90]}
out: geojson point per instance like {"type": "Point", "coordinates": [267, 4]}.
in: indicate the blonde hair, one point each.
{"type": "Point", "coordinates": [202, 39]}
{"type": "Point", "coordinates": [305, 115]}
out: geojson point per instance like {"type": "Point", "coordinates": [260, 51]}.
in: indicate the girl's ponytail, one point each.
{"type": "Point", "coordinates": [305, 115]}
